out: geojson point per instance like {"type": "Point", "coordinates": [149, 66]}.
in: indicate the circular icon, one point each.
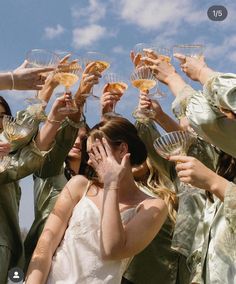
{"type": "Point", "coordinates": [16, 275]}
{"type": "Point", "coordinates": [217, 13]}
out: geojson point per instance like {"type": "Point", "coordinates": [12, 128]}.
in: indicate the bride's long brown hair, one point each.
{"type": "Point", "coordinates": [161, 187]}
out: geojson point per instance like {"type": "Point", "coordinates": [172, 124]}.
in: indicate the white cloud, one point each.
{"type": "Point", "coordinates": [95, 11]}
{"type": "Point", "coordinates": [53, 32]}
{"type": "Point", "coordinates": [225, 50]}
{"type": "Point", "coordinates": [157, 14]}
{"type": "Point", "coordinates": [86, 36]}
{"type": "Point", "coordinates": [119, 49]}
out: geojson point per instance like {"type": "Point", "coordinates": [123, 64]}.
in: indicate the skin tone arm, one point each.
{"type": "Point", "coordinates": [5, 148]}
{"type": "Point", "coordinates": [47, 133]}
{"type": "Point", "coordinates": [195, 68]}
{"type": "Point", "coordinates": [192, 171]}
{"type": "Point", "coordinates": [117, 240]}
{"type": "Point", "coordinates": [54, 230]}
{"type": "Point", "coordinates": [163, 119]}
{"type": "Point", "coordinates": [23, 78]}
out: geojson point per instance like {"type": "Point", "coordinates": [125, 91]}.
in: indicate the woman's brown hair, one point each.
{"type": "Point", "coordinates": [118, 130]}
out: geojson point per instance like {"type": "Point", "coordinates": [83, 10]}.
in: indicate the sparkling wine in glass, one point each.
{"type": "Point", "coordinates": [144, 80]}
{"type": "Point", "coordinates": [172, 144]}
{"type": "Point", "coordinates": [39, 58]}
{"type": "Point", "coordinates": [13, 130]}
{"type": "Point", "coordinates": [102, 62]}
{"type": "Point", "coordinates": [116, 83]}
{"type": "Point", "coordinates": [153, 52]}
{"type": "Point", "coordinates": [67, 75]}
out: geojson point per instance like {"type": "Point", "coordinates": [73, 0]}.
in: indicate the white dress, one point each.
{"type": "Point", "coordinates": [77, 259]}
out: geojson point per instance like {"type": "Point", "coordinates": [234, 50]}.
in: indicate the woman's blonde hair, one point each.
{"type": "Point", "coordinates": [161, 186]}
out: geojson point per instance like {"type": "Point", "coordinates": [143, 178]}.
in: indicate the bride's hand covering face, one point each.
{"type": "Point", "coordinates": [109, 165]}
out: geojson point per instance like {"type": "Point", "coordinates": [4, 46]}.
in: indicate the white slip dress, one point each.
{"type": "Point", "coordinates": [78, 258]}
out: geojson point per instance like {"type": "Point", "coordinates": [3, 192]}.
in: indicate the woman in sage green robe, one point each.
{"type": "Point", "coordinates": [179, 238]}
{"type": "Point", "coordinates": [26, 158]}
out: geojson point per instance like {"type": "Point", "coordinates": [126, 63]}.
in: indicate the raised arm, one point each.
{"type": "Point", "coordinates": [195, 67]}
{"type": "Point", "coordinates": [160, 117]}
{"type": "Point", "coordinates": [23, 78]}
{"type": "Point", "coordinates": [119, 240]}
{"type": "Point", "coordinates": [54, 230]}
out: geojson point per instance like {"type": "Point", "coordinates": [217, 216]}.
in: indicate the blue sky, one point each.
{"type": "Point", "coordinates": [111, 27]}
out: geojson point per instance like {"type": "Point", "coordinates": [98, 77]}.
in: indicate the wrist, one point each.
{"type": "Point", "coordinates": [218, 184]}
{"type": "Point", "coordinates": [204, 74]}
{"type": "Point", "coordinates": [111, 186]}
{"type": "Point", "coordinates": [52, 119]}
{"type": "Point", "coordinates": [172, 77]}
{"type": "Point", "coordinates": [7, 81]}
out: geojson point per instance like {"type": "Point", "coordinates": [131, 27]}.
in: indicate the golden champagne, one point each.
{"type": "Point", "coordinates": [117, 86]}
{"type": "Point", "coordinates": [15, 137]}
{"type": "Point", "coordinates": [100, 66]}
{"type": "Point", "coordinates": [144, 84]}
{"type": "Point", "coordinates": [165, 58]}
{"type": "Point", "coordinates": [66, 79]}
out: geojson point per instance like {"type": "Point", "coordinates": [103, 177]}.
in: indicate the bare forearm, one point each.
{"type": "Point", "coordinates": [5, 81]}
{"type": "Point", "coordinates": [112, 231]}
{"type": "Point", "coordinates": [218, 186]}
{"type": "Point", "coordinates": [176, 84]}
{"type": "Point", "coordinates": [40, 263]}
{"type": "Point", "coordinates": [204, 74]}
{"type": "Point", "coordinates": [46, 135]}
{"type": "Point", "coordinates": [167, 123]}
{"type": "Point", "coordinates": [46, 93]}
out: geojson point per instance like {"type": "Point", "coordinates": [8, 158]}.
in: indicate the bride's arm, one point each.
{"type": "Point", "coordinates": [54, 230]}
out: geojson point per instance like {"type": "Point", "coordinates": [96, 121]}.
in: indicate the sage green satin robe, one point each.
{"type": "Point", "coordinates": [215, 260]}
{"type": "Point", "coordinates": [164, 260]}
{"type": "Point", "coordinates": [203, 110]}
{"type": "Point", "coordinates": [25, 159]}
{"type": "Point", "coordinates": [24, 162]}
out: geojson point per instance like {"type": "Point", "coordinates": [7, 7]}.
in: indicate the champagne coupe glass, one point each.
{"type": "Point", "coordinates": [163, 53]}
{"type": "Point", "coordinates": [175, 143]}
{"type": "Point", "coordinates": [191, 50]}
{"type": "Point", "coordinates": [102, 62]}
{"type": "Point", "coordinates": [68, 74]}
{"type": "Point", "coordinates": [13, 130]}
{"type": "Point", "coordinates": [38, 58]}
{"type": "Point", "coordinates": [143, 79]}
{"type": "Point", "coordinates": [116, 83]}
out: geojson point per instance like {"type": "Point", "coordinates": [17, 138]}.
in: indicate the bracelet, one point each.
{"type": "Point", "coordinates": [12, 80]}
{"type": "Point", "coordinates": [53, 120]}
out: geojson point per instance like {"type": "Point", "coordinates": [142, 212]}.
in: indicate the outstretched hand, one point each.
{"type": "Point", "coordinates": [109, 170]}
{"type": "Point", "coordinates": [30, 78]}
{"type": "Point", "coordinates": [191, 66]}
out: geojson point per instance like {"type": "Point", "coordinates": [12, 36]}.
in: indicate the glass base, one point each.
{"type": "Point", "coordinates": [90, 96]}
{"type": "Point", "coordinates": [35, 101]}
{"type": "Point", "coordinates": [158, 95]}
{"type": "Point", "coordinates": [143, 115]}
